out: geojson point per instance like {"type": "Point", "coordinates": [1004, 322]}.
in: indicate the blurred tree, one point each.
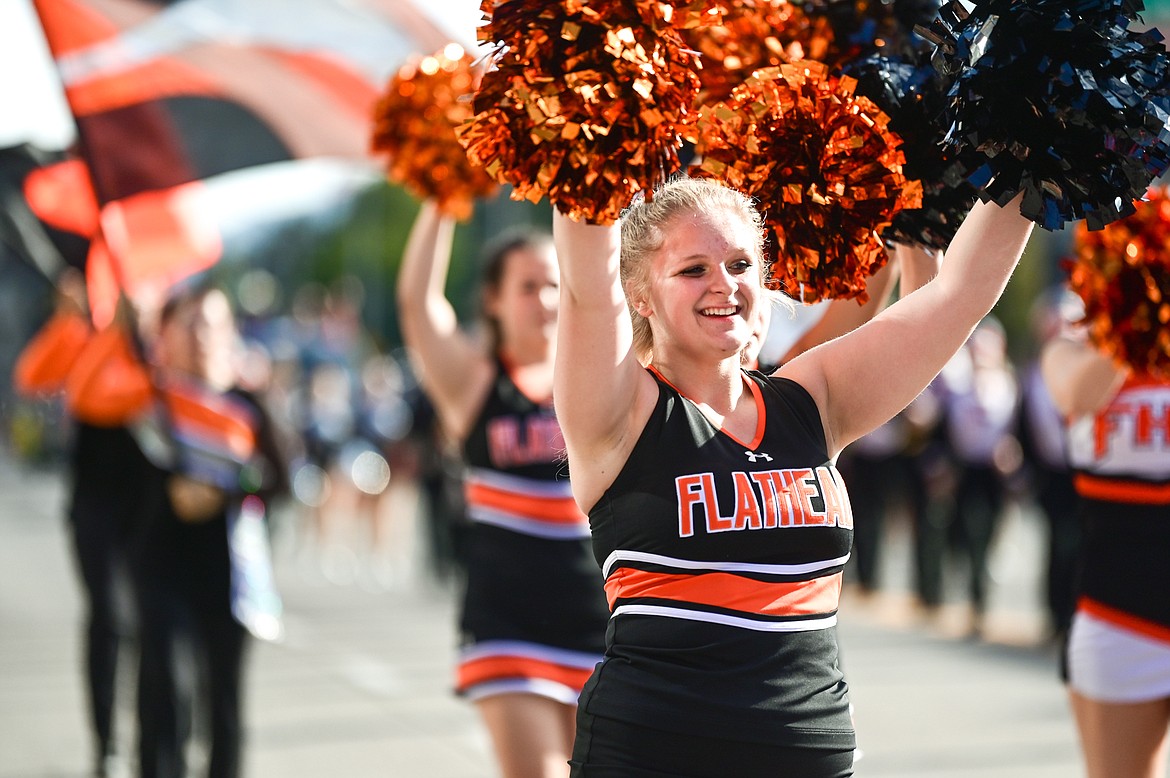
{"type": "Point", "coordinates": [368, 245]}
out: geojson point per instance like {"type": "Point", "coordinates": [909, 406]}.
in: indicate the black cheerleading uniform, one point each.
{"type": "Point", "coordinates": [188, 584]}
{"type": "Point", "coordinates": [534, 612]}
{"type": "Point", "coordinates": [723, 564]}
{"type": "Point", "coordinates": [1121, 460]}
{"type": "Point", "coordinates": [107, 470]}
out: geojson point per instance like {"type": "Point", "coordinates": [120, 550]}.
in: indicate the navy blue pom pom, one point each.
{"type": "Point", "coordinates": [863, 28]}
{"type": "Point", "coordinates": [914, 97]}
{"type": "Point", "coordinates": [1057, 99]}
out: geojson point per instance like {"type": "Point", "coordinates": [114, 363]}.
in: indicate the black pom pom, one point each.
{"type": "Point", "coordinates": [1058, 100]}
{"type": "Point", "coordinates": [914, 97]}
{"type": "Point", "coordinates": [863, 28]}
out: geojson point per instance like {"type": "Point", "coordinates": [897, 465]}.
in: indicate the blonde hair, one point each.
{"type": "Point", "coordinates": [642, 226]}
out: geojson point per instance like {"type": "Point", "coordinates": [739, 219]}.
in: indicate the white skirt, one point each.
{"type": "Point", "coordinates": [1108, 663]}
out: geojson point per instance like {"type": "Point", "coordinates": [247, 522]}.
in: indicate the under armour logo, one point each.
{"type": "Point", "coordinates": [754, 457]}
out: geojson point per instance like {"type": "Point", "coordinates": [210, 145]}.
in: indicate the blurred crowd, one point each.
{"type": "Point", "coordinates": [189, 427]}
{"type": "Point", "coordinates": [368, 458]}
{"type": "Point", "coordinates": [358, 433]}
{"type": "Point", "coordinates": [376, 495]}
{"type": "Point", "coordinates": [984, 435]}
{"type": "Point", "coordinates": [377, 499]}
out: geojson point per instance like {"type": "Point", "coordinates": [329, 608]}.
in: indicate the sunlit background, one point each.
{"type": "Point", "coordinates": [311, 230]}
{"type": "Point", "coordinates": [310, 254]}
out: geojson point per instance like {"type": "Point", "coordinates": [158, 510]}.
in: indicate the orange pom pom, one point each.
{"type": "Point", "coordinates": [584, 102]}
{"type": "Point", "coordinates": [1122, 273]}
{"type": "Point", "coordinates": [414, 125]}
{"type": "Point", "coordinates": [754, 34]}
{"type": "Point", "coordinates": [825, 168]}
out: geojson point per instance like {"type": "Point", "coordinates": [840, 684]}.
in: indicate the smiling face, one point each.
{"type": "Point", "coordinates": [703, 286]}
{"type": "Point", "coordinates": [524, 302]}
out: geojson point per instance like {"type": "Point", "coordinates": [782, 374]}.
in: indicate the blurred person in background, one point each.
{"type": "Point", "coordinates": [440, 483]}
{"type": "Point", "coordinates": [344, 476]}
{"type": "Point", "coordinates": [1042, 437]}
{"type": "Point", "coordinates": [328, 421]}
{"type": "Point", "coordinates": [980, 417]}
{"type": "Point", "coordinates": [534, 612]}
{"type": "Point", "coordinates": [929, 492]}
{"type": "Point", "coordinates": [875, 468]}
{"type": "Point", "coordinates": [199, 562]}
{"type": "Point", "coordinates": [1117, 657]}
{"type": "Point", "coordinates": [385, 471]}
{"type": "Point", "coordinates": [105, 472]}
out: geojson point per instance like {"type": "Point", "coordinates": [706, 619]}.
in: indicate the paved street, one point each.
{"type": "Point", "coordinates": [360, 688]}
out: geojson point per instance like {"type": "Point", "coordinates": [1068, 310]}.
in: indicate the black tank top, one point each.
{"type": "Point", "coordinates": [533, 615]}
{"type": "Point", "coordinates": [107, 471]}
{"type": "Point", "coordinates": [723, 562]}
{"type": "Point", "coordinates": [1121, 461]}
{"type": "Point", "coordinates": [517, 477]}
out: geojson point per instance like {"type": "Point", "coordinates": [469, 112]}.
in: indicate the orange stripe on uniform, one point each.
{"type": "Point", "coordinates": [1124, 620]}
{"type": "Point", "coordinates": [557, 510]}
{"type": "Point", "coordinates": [495, 668]}
{"type": "Point", "coordinates": [213, 417]}
{"type": "Point", "coordinates": [1122, 491]}
{"type": "Point", "coordinates": [725, 590]}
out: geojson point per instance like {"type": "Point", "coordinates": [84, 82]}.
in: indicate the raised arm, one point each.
{"type": "Point", "coordinates": [916, 267]}
{"type": "Point", "coordinates": [861, 380]}
{"type": "Point", "coordinates": [843, 316]}
{"type": "Point", "coordinates": [453, 370]}
{"type": "Point", "coordinates": [912, 267]}
{"type": "Point", "coordinates": [603, 395]}
{"type": "Point", "coordinates": [1079, 377]}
